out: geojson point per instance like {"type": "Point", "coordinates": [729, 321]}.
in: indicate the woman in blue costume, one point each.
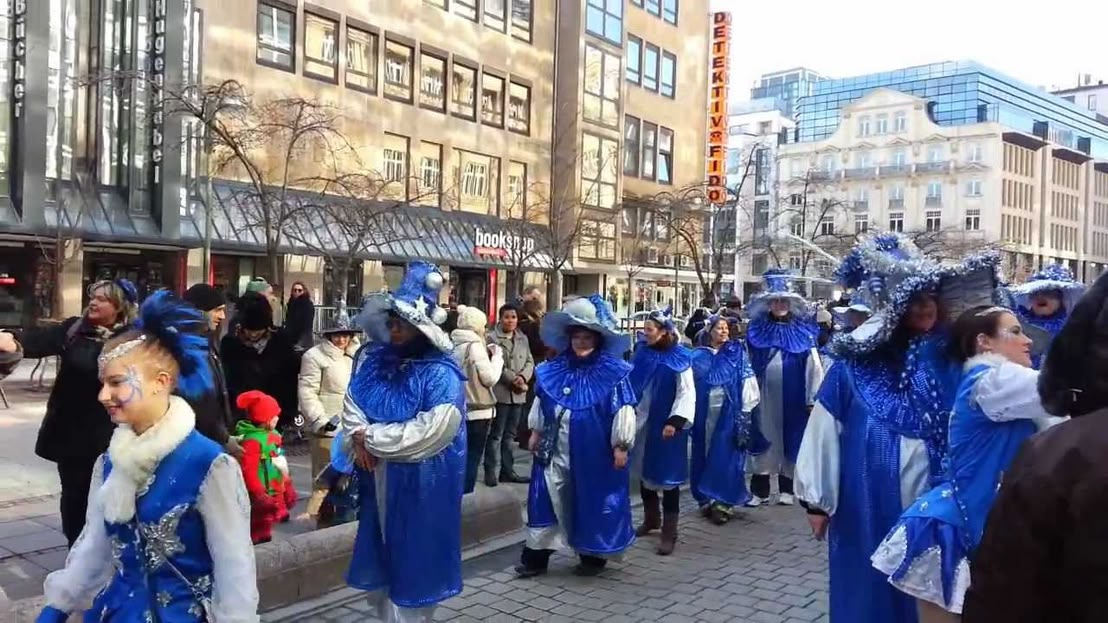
{"type": "Point", "coordinates": [781, 340]}
{"type": "Point", "coordinates": [1045, 300]}
{"type": "Point", "coordinates": [662, 378]}
{"type": "Point", "coordinates": [927, 552]}
{"type": "Point", "coordinates": [168, 531]}
{"type": "Point", "coordinates": [877, 436]}
{"type": "Point", "coordinates": [402, 420]}
{"type": "Point", "coordinates": [582, 426]}
{"type": "Point", "coordinates": [726, 393]}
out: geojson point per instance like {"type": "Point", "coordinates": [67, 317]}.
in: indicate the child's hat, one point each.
{"type": "Point", "coordinates": [260, 407]}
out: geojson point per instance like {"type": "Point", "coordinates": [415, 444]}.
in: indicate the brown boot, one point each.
{"type": "Point", "coordinates": [669, 534]}
{"type": "Point", "coordinates": [652, 517]}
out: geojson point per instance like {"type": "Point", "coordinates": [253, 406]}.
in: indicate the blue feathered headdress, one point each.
{"type": "Point", "coordinates": [878, 264]}
{"type": "Point", "coordinates": [178, 328]}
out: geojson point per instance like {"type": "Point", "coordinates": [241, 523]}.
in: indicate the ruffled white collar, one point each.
{"type": "Point", "coordinates": [989, 359]}
{"type": "Point", "coordinates": [135, 457]}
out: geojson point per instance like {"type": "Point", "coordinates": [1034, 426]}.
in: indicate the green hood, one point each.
{"type": "Point", "coordinates": [246, 427]}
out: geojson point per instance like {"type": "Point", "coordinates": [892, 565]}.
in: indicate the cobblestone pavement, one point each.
{"type": "Point", "coordinates": [763, 567]}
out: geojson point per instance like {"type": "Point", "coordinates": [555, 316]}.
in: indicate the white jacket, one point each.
{"type": "Point", "coordinates": [324, 375]}
{"type": "Point", "coordinates": [470, 345]}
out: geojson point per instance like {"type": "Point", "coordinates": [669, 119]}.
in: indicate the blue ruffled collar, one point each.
{"type": "Point", "coordinates": [795, 336]}
{"type": "Point", "coordinates": [1052, 324]}
{"type": "Point", "coordinates": [391, 379]}
{"type": "Point", "coordinates": [723, 367]}
{"type": "Point", "coordinates": [576, 383]}
{"type": "Point", "coordinates": [646, 360]}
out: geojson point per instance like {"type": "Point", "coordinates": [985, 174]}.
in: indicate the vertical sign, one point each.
{"type": "Point", "coordinates": [19, 56]}
{"type": "Point", "coordinates": [157, 105]}
{"type": "Point", "coordinates": [717, 107]}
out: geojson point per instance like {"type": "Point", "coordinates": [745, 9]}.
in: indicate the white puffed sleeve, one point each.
{"type": "Point", "coordinates": [818, 462]}
{"type": "Point", "coordinates": [751, 394]}
{"type": "Point", "coordinates": [684, 400]}
{"type": "Point", "coordinates": [88, 567]}
{"type": "Point", "coordinates": [813, 376]}
{"type": "Point", "coordinates": [534, 416]}
{"type": "Point", "coordinates": [1008, 392]}
{"type": "Point", "coordinates": [419, 438]}
{"type": "Point", "coordinates": [226, 512]}
{"type": "Point", "coordinates": [623, 427]}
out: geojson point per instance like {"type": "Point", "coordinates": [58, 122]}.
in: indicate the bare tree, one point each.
{"type": "Point", "coordinates": [526, 226]}
{"type": "Point", "coordinates": [951, 244]}
{"type": "Point", "coordinates": [64, 248]}
{"type": "Point", "coordinates": [811, 215]}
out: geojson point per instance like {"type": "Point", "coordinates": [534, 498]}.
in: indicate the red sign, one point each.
{"type": "Point", "coordinates": [491, 251]}
{"type": "Point", "coordinates": [717, 107]}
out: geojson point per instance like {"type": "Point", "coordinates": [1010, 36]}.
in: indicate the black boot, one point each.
{"type": "Point", "coordinates": [669, 534]}
{"type": "Point", "coordinates": [652, 513]}
{"type": "Point", "coordinates": [532, 562]}
{"type": "Point", "coordinates": [589, 566]}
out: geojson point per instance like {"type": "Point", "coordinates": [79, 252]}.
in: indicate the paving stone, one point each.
{"type": "Point", "coordinates": [803, 614]}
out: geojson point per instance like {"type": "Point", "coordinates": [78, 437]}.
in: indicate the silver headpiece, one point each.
{"type": "Point", "coordinates": [992, 310]}
{"type": "Point", "coordinates": [122, 349]}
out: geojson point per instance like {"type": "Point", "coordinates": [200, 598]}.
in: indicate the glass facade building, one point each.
{"type": "Point", "coordinates": [961, 92]}
{"type": "Point", "coordinates": [787, 86]}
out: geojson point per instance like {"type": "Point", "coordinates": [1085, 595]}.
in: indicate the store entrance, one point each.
{"type": "Point", "coordinates": [469, 287]}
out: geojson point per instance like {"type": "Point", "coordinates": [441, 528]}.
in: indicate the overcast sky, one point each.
{"type": "Point", "coordinates": [1042, 43]}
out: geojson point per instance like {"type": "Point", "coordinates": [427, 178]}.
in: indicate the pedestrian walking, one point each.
{"type": "Point", "coordinates": [77, 428]}
{"type": "Point", "coordinates": [403, 423]}
{"type": "Point", "coordinates": [662, 380]}
{"type": "Point", "coordinates": [722, 433]}
{"type": "Point", "coordinates": [783, 350]}
{"type": "Point", "coordinates": [214, 416]}
{"type": "Point", "coordinates": [511, 397]}
{"type": "Point", "coordinates": [259, 356]}
{"type": "Point", "coordinates": [168, 535]}
{"type": "Point", "coordinates": [482, 363]}
{"type": "Point", "coordinates": [324, 376]}
{"type": "Point", "coordinates": [1042, 556]}
{"type": "Point", "coordinates": [583, 425]}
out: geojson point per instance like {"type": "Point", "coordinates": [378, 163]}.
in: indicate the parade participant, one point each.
{"type": "Point", "coordinates": [662, 379]}
{"type": "Point", "coordinates": [264, 467]}
{"type": "Point", "coordinates": [850, 317]}
{"type": "Point", "coordinates": [582, 426]}
{"type": "Point", "coordinates": [927, 552]}
{"type": "Point", "coordinates": [168, 535]}
{"type": "Point", "coordinates": [402, 420]}
{"type": "Point", "coordinates": [877, 435]}
{"type": "Point", "coordinates": [1045, 300]}
{"type": "Point", "coordinates": [726, 393]}
{"type": "Point", "coordinates": [781, 339]}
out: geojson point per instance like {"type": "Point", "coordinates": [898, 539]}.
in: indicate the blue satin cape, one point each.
{"type": "Point", "coordinates": [417, 554]}
{"type": "Point", "coordinates": [665, 462]}
{"type": "Point", "coordinates": [600, 504]}
{"type": "Point", "coordinates": [794, 341]}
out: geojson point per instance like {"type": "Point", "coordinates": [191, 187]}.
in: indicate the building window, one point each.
{"type": "Point", "coordinates": [861, 223]}
{"type": "Point", "coordinates": [1092, 101]}
{"type": "Point", "coordinates": [597, 240]}
{"type": "Point", "coordinates": [394, 159]}
{"type": "Point", "coordinates": [601, 87]}
{"type": "Point", "coordinates": [649, 149]}
{"type": "Point", "coordinates": [665, 156]}
{"type": "Point", "coordinates": [276, 34]}
{"type": "Point", "coordinates": [934, 190]}
{"type": "Point", "coordinates": [634, 59]}
{"type": "Point", "coordinates": [631, 146]}
{"type": "Point", "coordinates": [669, 11]}
{"type": "Point", "coordinates": [492, 100]}
{"type": "Point", "coordinates": [466, 8]}
{"type": "Point", "coordinates": [796, 227]}
{"type": "Point", "coordinates": [519, 108]}
{"type": "Point", "coordinates": [430, 174]}
{"type": "Point", "coordinates": [463, 84]}
{"type": "Point", "coordinates": [361, 60]}
{"type": "Point", "coordinates": [321, 59]}
{"type": "Point", "coordinates": [398, 71]}
{"type": "Point", "coordinates": [61, 98]}
{"type": "Point", "coordinates": [900, 158]}
{"type": "Point", "coordinates": [432, 76]}
{"type": "Point", "coordinates": [650, 68]}
{"type": "Point", "coordinates": [973, 188]}
{"type": "Point", "coordinates": [517, 190]}
{"type": "Point", "coordinates": [864, 125]}
{"type": "Point", "coordinates": [521, 19]}
{"type": "Point", "coordinates": [896, 221]}
{"type": "Point", "coordinates": [973, 220]}
{"type": "Point", "coordinates": [599, 171]}
{"type": "Point", "coordinates": [828, 164]}
{"type": "Point", "coordinates": [604, 18]}
{"type": "Point", "coordinates": [896, 195]}
{"type": "Point", "coordinates": [761, 171]}
{"type": "Point", "coordinates": [882, 124]}
{"type": "Point", "coordinates": [861, 197]}
{"type": "Point", "coordinates": [975, 152]}
{"type": "Point", "coordinates": [864, 160]}
{"type": "Point", "coordinates": [436, 3]}
{"type": "Point", "coordinates": [934, 220]}
{"type": "Point", "coordinates": [495, 14]}
{"type": "Point", "coordinates": [935, 153]}
{"type": "Point", "coordinates": [478, 182]}
{"type": "Point", "coordinates": [900, 122]}
{"type": "Point", "coordinates": [654, 7]}
{"type": "Point", "coordinates": [827, 226]}
{"type": "Point", "coordinates": [669, 74]}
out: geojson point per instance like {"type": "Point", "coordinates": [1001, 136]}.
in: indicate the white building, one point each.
{"type": "Point", "coordinates": [1089, 95]}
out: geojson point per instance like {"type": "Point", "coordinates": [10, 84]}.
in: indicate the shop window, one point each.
{"type": "Point", "coordinates": [432, 73]}
{"type": "Point", "coordinates": [519, 108]}
{"type": "Point", "coordinates": [492, 100]}
{"type": "Point", "coordinates": [276, 34]}
{"type": "Point", "coordinates": [398, 71]}
{"type": "Point", "coordinates": [321, 59]}
{"type": "Point", "coordinates": [361, 60]}
{"type": "Point", "coordinates": [463, 84]}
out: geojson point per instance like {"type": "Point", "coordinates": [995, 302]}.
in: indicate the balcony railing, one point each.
{"type": "Point", "coordinates": [932, 202]}
{"type": "Point", "coordinates": [892, 170]}
{"type": "Point", "coordinates": [861, 173]}
{"type": "Point", "coordinates": [932, 167]}
{"type": "Point", "coordinates": [860, 206]}
{"type": "Point", "coordinates": [896, 204]}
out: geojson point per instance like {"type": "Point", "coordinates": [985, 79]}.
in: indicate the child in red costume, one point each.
{"type": "Point", "coordinates": [264, 467]}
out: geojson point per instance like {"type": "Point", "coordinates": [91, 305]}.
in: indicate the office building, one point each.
{"type": "Point", "coordinates": [789, 86]}
{"type": "Point", "coordinates": [1093, 96]}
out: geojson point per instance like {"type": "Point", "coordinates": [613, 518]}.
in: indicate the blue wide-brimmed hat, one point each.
{"type": "Point", "coordinates": [1052, 278]}
{"type": "Point", "coordinates": [777, 284]}
{"type": "Point", "coordinates": [664, 318]}
{"type": "Point", "coordinates": [341, 323]}
{"type": "Point", "coordinates": [416, 301]}
{"type": "Point", "coordinates": [592, 313]}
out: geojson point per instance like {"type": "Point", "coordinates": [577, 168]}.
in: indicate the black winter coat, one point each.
{"type": "Point", "coordinates": [299, 319]}
{"type": "Point", "coordinates": [76, 425]}
{"type": "Point", "coordinates": [214, 416]}
{"type": "Point", "coordinates": [275, 371]}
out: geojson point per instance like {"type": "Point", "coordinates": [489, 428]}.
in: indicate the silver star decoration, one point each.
{"type": "Point", "coordinates": [421, 305]}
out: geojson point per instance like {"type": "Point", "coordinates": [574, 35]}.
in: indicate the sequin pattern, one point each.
{"type": "Point", "coordinates": [161, 541]}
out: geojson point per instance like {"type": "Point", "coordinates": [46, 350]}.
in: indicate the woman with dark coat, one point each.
{"type": "Point", "coordinates": [76, 428]}
{"type": "Point", "coordinates": [300, 317]}
{"type": "Point", "coordinates": [260, 356]}
{"type": "Point", "coordinates": [1044, 553]}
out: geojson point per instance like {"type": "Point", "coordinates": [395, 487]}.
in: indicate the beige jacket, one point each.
{"type": "Point", "coordinates": [324, 375]}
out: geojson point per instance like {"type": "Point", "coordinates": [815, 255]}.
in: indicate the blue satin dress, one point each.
{"type": "Point", "coordinates": [662, 463]}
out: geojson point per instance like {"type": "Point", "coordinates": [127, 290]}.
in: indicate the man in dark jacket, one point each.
{"type": "Point", "coordinates": [529, 321]}
{"type": "Point", "coordinates": [214, 417]}
{"type": "Point", "coordinates": [1043, 557]}
{"type": "Point", "coordinates": [260, 356]}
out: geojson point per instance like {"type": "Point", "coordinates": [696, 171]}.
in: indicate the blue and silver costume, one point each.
{"type": "Point", "coordinates": [584, 407]}
{"type": "Point", "coordinates": [409, 404]}
{"type": "Point", "coordinates": [168, 534]}
{"type": "Point", "coordinates": [876, 439]}
{"type": "Point", "coordinates": [722, 435]}
{"type": "Point", "coordinates": [786, 361]}
{"type": "Point", "coordinates": [927, 552]}
{"type": "Point", "coordinates": [1053, 278]}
